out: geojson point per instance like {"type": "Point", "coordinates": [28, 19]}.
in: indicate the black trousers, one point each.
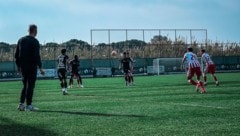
{"type": "Point", "coordinates": [29, 76]}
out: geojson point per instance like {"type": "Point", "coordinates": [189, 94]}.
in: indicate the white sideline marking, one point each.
{"type": "Point", "coordinates": [196, 105]}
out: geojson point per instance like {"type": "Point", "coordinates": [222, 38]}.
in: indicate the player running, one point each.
{"type": "Point", "coordinates": [193, 68]}
{"type": "Point", "coordinates": [62, 70]}
{"type": "Point", "coordinates": [209, 67]}
{"type": "Point", "coordinates": [74, 64]}
{"type": "Point", "coordinates": [125, 65]}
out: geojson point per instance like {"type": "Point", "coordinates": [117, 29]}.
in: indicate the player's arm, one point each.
{"type": "Point", "coordinates": [131, 62]}
{"type": "Point", "coordinates": [67, 63]}
{"type": "Point", "coordinates": [182, 64]}
{"type": "Point", "coordinates": [17, 61]}
{"type": "Point", "coordinates": [38, 58]}
{"type": "Point", "coordinates": [120, 64]}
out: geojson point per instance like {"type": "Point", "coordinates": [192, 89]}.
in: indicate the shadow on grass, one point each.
{"type": "Point", "coordinates": [95, 114]}
{"type": "Point", "coordinates": [9, 127]}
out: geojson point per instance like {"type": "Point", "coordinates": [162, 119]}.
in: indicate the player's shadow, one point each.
{"type": "Point", "coordinates": [95, 114]}
{"type": "Point", "coordinates": [9, 127]}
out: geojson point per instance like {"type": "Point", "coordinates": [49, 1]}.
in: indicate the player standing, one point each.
{"type": "Point", "coordinates": [125, 64]}
{"type": "Point", "coordinates": [62, 70]}
{"type": "Point", "coordinates": [74, 64]}
{"type": "Point", "coordinates": [131, 68]}
{"type": "Point", "coordinates": [209, 67]}
{"type": "Point", "coordinates": [27, 60]}
{"type": "Point", "coordinates": [193, 68]}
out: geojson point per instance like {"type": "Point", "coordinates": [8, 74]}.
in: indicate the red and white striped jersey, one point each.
{"type": "Point", "coordinates": [191, 59]}
{"type": "Point", "coordinates": [207, 59]}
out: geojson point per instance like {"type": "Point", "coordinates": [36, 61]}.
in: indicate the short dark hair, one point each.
{"type": "Point", "coordinates": [190, 49]}
{"type": "Point", "coordinates": [32, 28]}
{"type": "Point", "coordinates": [63, 51]}
{"type": "Point", "coordinates": [203, 50]}
{"type": "Point", "coordinates": [76, 57]}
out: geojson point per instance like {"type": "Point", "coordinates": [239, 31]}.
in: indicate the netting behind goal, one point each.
{"type": "Point", "coordinates": [168, 65]}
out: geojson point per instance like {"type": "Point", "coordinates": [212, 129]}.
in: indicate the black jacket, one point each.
{"type": "Point", "coordinates": [27, 53]}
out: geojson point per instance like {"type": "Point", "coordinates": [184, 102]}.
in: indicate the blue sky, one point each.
{"type": "Point", "coordinates": [62, 20]}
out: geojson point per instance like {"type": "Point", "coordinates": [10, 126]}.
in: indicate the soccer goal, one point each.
{"type": "Point", "coordinates": [156, 68]}
{"type": "Point", "coordinates": [169, 66]}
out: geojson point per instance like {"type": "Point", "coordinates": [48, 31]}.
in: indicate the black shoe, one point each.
{"type": "Point", "coordinates": [65, 93]}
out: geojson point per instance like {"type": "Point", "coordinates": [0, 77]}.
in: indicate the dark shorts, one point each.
{"type": "Point", "coordinates": [210, 69]}
{"type": "Point", "coordinates": [75, 73]}
{"type": "Point", "coordinates": [192, 71]}
{"type": "Point", "coordinates": [127, 71]}
{"type": "Point", "coordinates": [62, 74]}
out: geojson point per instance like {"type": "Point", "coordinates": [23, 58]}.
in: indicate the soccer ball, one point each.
{"type": "Point", "coordinates": [113, 53]}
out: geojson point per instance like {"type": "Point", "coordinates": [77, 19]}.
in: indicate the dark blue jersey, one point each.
{"type": "Point", "coordinates": [126, 63]}
{"type": "Point", "coordinates": [74, 65]}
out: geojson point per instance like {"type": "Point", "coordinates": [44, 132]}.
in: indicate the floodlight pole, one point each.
{"type": "Point", "coordinates": [91, 52]}
{"type": "Point", "coordinates": [109, 48]}
{"type": "Point", "coordinates": [191, 36]}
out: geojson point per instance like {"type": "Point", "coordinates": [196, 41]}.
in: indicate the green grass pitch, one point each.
{"type": "Point", "coordinates": [155, 105]}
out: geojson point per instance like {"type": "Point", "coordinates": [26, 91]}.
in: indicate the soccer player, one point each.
{"type": "Point", "coordinates": [193, 68]}
{"type": "Point", "coordinates": [209, 67]}
{"type": "Point", "coordinates": [74, 64]}
{"type": "Point", "coordinates": [62, 70]}
{"type": "Point", "coordinates": [125, 65]}
{"type": "Point", "coordinates": [131, 68]}
{"type": "Point", "coordinates": [27, 60]}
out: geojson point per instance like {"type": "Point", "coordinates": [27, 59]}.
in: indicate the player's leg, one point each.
{"type": "Point", "coordinates": [21, 105]}
{"type": "Point", "coordinates": [213, 70]}
{"type": "Point", "coordinates": [205, 75]}
{"type": "Point", "coordinates": [189, 77]}
{"type": "Point", "coordinates": [71, 81]}
{"type": "Point", "coordinates": [199, 82]}
{"type": "Point", "coordinates": [65, 82]}
{"type": "Point", "coordinates": [80, 80]}
{"type": "Point", "coordinates": [60, 77]}
{"type": "Point", "coordinates": [30, 89]}
{"type": "Point", "coordinates": [129, 77]}
{"type": "Point", "coordinates": [215, 79]}
{"type": "Point", "coordinates": [126, 77]}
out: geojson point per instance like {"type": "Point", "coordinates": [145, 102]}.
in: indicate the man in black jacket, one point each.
{"type": "Point", "coordinates": [27, 60]}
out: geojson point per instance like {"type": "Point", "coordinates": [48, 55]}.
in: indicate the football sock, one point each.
{"type": "Point", "coordinates": [80, 80]}
{"type": "Point", "coordinates": [201, 86]}
{"type": "Point", "coordinates": [61, 85]}
{"type": "Point", "coordinates": [126, 78]}
{"type": "Point", "coordinates": [205, 78]}
{"type": "Point", "coordinates": [132, 78]}
{"type": "Point", "coordinates": [192, 82]}
{"type": "Point", "coordinates": [65, 85]}
{"type": "Point", "coordinates": [215, 78]}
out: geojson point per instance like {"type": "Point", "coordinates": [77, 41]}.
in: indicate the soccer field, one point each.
{"type": "Point", "coordinates": [155, 105]}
